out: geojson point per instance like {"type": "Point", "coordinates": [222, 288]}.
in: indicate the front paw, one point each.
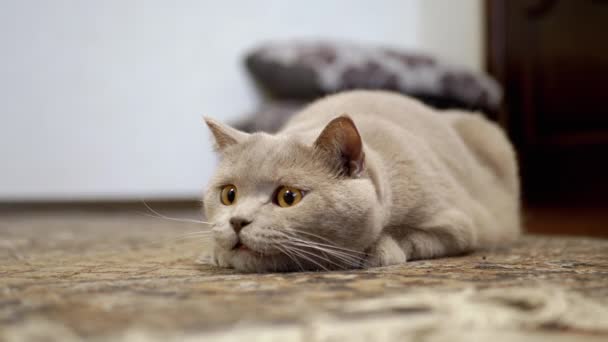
{"type": "Point", "coordinates": [222, 258]}
{"type": "Point", "coordinates": [216, 257]}
{"type": "Point", "coordinates": [385, 252]}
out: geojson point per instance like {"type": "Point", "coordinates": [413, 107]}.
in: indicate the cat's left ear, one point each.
{"type": "Point", "coordinates": [224, 135]}
{"type": "Point", "coordinates": [341, 142]}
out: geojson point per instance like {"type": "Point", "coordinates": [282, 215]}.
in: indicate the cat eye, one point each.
{"type": "Point", "coordinates": [228, 194]}
{"type": "Point", "coordinates": [288, 196]}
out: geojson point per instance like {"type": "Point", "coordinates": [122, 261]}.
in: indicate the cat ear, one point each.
{"type": "Point", "coordinates": [224, 135]}
{"type": "Point", "coordinates": [341, 141]}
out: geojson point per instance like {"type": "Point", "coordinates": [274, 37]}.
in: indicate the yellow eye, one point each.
{"type": "Point", "coordinates": [287, 197]}
{"type": "Point", "coordinates": [228, 194]}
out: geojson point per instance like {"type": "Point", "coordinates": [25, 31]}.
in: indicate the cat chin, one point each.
{"type": "Point", "coordinates": [248, 261]}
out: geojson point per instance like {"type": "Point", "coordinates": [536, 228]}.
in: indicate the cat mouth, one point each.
{"type": "Point", "coordinates": [239, 246]}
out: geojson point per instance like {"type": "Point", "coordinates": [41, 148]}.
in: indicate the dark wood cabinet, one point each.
{"type": "Point", "coordinates": [551, 57]}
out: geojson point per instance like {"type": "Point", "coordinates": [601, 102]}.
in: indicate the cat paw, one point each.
{"type": "Point", "coordinates": [385, 252]}
{"type": "Point", "coordinates": [223, 261]}
{"type": "Point", "coordinates": [206, 258]}
{"type": "Point", "coordinates": [219, 258]}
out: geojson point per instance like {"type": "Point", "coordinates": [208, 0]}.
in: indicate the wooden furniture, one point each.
{"type": "Point", "coordinates": [551, 57]}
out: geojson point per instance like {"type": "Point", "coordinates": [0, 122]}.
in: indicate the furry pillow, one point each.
{"type": "Point", "coordinates": [306, 70]}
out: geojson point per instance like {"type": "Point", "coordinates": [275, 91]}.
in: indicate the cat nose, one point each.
{"type": "Point", "coordinates": [238, 223]}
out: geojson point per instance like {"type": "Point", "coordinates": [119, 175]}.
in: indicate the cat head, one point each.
{"type": "Point", "coordinates": [278, 203]}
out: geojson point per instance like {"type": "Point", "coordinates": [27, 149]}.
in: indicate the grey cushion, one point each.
{"type": "Point", "coordinates": [309, 69]}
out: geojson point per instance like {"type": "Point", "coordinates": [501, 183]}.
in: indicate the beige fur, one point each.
{"type": "Point", "coordinates": [424, 184]}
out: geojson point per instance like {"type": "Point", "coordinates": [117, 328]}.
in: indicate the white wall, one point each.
{"type": "Point", "coordinates": [104, 99]}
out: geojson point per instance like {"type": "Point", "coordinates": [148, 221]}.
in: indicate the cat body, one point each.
{"type": "Point", "coordinates": [382, 179]}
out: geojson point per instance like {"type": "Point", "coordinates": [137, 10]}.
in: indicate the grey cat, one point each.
{"type": "Point", "coordinates": [361, 179]}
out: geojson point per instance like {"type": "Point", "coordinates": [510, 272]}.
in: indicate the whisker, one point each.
{"type": "Point", "coordinates": [345, 255]}
{"type": "Point", "coordinates": [345, 259]}
{"type": "Point", "coordinates": [181, 238]}
{"type": "Point", "coordinates": [335, 250]}
{"type": "Point", "coordinates": [202, 232]}
{"type": "Point", "coordinates": [330, 249]}
{"type": "Point", "coordinates": [159, 215]}
{"type": "Point", "coordinates": [350, 260]}
{"type": "Point", "coordinates": [310, 234]}
{"type": "Point", "coordinates": [320, 257]}
{"type": "Point", "coordinates": [284, 251]}
{"type": "Point", "coordinates": [299, 253]}
{"type": "Point", "coordinates": [330, 246]}
{"type": "Point", "coordinates": [274, 264]}
{"type": "Point", "coordinates": [191, 238]}
{"type": "Point", "coordinates": [175, 219]}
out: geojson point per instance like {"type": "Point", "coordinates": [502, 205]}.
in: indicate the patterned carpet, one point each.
{"type": "Point", "coordinates": [115, 275]}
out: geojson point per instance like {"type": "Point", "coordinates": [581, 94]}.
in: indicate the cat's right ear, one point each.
{"type": "Point", "coordinates": [224, 135]}
{"type": "Point", "coordinates": [341, 142]}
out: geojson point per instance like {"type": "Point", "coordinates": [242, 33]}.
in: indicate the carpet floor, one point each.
{"type": "Point", "coordinates": [122, 276]}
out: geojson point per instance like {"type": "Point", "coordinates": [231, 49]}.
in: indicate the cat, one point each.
{"type": "Point", "coordinates": [361, 179]}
